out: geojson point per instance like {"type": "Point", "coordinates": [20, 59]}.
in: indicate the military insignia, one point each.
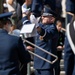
{"type": "Point", "coordinates": [41, 38]}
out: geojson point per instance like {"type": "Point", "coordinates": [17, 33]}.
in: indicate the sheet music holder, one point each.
{"type": "Point", "coordinates": [28, 30]}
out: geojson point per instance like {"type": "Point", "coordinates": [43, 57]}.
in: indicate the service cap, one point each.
{"type": "Point", "coordinates": [48, 12]}
{"type": "Point", "coordinates": [5, 16]}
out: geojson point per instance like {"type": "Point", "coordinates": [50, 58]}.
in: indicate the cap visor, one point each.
{"type": "Point", "coordinates": [47, 14]}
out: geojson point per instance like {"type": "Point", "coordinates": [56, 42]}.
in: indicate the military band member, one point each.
{"type": "Point", "coordinates": [47, 36]}
{"type": "Point", "coordinates": [12, 50]}
{"type": "Point", "coordinates": [69, 55]}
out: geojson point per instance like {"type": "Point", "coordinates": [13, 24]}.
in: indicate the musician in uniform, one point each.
{"type": "Point", "coordinates": [69, 55]}
{"type": "Point", "coordinates": [26, 20]}
{"type": "Point", "coordinates": [47, 36]}
{"type": "Point", "coordinates": [12, 50]}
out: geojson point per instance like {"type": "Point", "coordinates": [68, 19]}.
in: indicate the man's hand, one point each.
{"type": "Point", "coordinates": [60, 48]}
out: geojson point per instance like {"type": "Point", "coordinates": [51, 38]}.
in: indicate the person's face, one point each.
{"type": "Point", "coordinates": [59, 26]}
{"type": "Point", "coordinates": [47, 19]}
{"type": "Point", "coordinates": [8, 26]}
{"type": "Point", "coordinates": [10, 2]}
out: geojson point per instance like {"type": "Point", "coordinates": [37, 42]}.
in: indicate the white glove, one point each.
{"type": "Point", "coordinates": [5, 5]}
{"type": "Point", "coordinates": [33, 19]}
{"type": "Point", "coordinates": [25, 10]}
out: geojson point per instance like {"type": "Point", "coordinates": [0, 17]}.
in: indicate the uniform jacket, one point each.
{"type": "Point", "coordinates": [38, 5]}
{"type": "Point", "coordinates": [70, 6]}
{"type": "Point", "coordinates": [68, 58]}
{"type": "Point", "coordinates": [12, 51]}
{"type": "Point", "coordinates": [48, 43]}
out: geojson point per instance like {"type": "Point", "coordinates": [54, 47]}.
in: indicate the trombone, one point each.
{"type": "Point", "coordinates": [51, 62]}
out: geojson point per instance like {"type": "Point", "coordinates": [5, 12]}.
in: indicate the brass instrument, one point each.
{"type": "Point", "coordinates": [51, 62]}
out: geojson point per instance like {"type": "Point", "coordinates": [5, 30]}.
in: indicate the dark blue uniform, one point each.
{"type": "Point", "coordinates": [68, 58]}
{"type": "Point", "coordinates": [48, 43]}
{"type": "Point", "coordinates": [38, 5]}
{"type": "Point", "coordinates": [12, 51]}
{"type": "Point", "coordinates": [69, 55]}
{"type": "Point", "coordinates": [70, 6]}
{"type": "Point", "coordinates": [46, 38]}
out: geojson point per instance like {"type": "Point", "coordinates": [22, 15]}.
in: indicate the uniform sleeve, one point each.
{"type": "Point", "coordinates": [24, 55]}
{"type": "Point", "coordinates": [47, 33]}
{"type": "Point", "coordinates": [34, 8]}
{"type": "Point", "coordinates": [70, 6]}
